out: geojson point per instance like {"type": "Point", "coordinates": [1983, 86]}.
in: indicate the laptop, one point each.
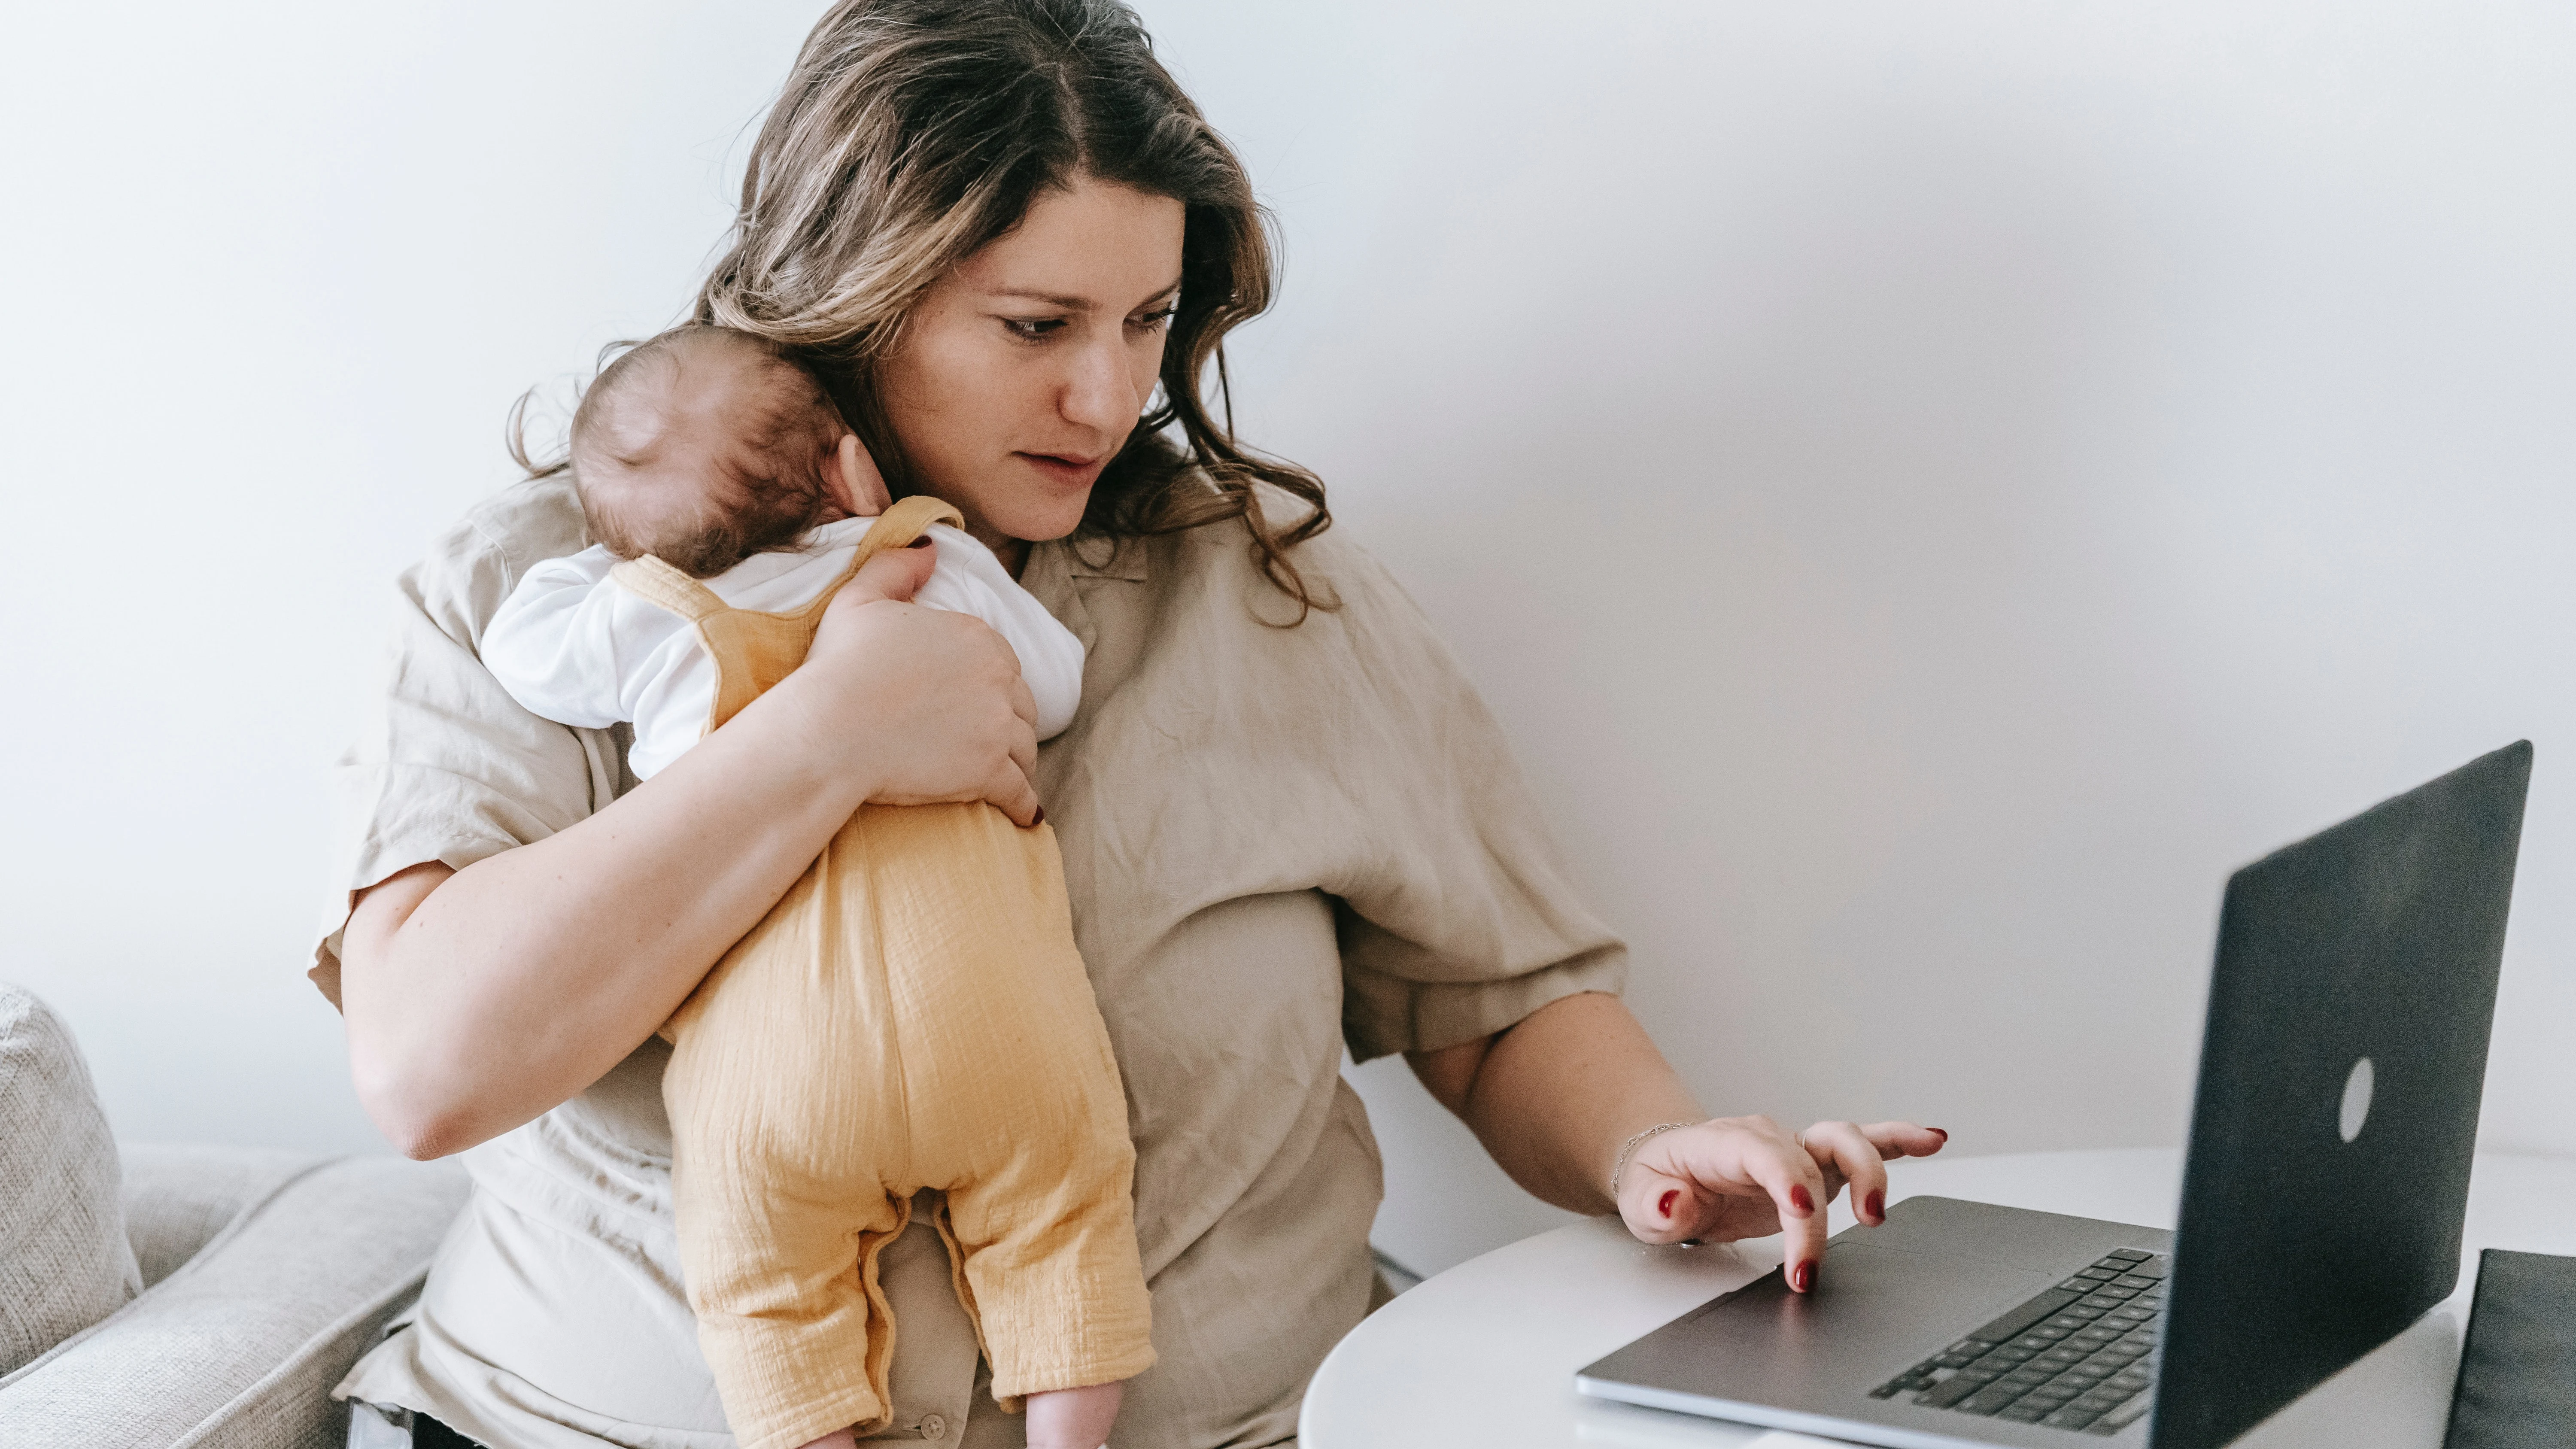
{"type": "Point", "coordinates": [2322, 1200]}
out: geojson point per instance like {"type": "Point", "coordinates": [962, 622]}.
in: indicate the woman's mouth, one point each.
{"type": "Point", "coordinates": [1067, 470]}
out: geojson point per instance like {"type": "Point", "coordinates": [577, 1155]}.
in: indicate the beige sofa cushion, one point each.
{"type": "Point", "coordinates": [239, 1346]}
{"type": "Point", "coordinates": [178, 1196]}
{"type": "Point", "coordinates": [65, 1262]}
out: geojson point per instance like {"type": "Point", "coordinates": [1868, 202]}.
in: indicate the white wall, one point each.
{"type": "Point", "coordinates": [1930, 488]}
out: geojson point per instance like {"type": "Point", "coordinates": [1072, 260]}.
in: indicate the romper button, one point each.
{"type": "Point", "coordinates": [934, 1427]}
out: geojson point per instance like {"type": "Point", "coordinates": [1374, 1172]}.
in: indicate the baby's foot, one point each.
{"type": "Point", "coordinates": [1073, 1418]}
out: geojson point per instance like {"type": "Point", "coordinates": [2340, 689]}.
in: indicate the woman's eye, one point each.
{"type": "Point", "coordinates": [1158, 318]}
{"type": "Point", "coordinates": [1033, 329]}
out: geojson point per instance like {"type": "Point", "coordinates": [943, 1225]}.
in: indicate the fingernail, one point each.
{"type": "Point", "coordinates": [1038, 819]}
{"type": "Point", "coordinates": [924, 541]}
{"type": "Point", "coordinates": [1664, 1207]}
{"type": "Point", "coordinates": [1878, 1205]}
{"type": "Point", "coordinates": [1798, 1199]}
{"type": "Point", "coordinates": [1937, 1132]}
{"type": "Point", "coordinates": [1803, 1277]}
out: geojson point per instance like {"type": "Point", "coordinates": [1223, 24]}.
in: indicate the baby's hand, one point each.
{"type": "Point", "coordinates": [854, 474]}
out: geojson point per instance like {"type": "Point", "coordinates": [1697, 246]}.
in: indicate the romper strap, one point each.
{"type": "Point", "coordinates": [899, 525]}
{"type": "Point", "coordinates": [657, 582]}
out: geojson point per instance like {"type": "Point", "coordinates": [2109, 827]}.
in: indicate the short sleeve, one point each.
{"type": "Point", "coordinates": [449, 768]}
{"type": "Point", "coordinates": [1464, 919]}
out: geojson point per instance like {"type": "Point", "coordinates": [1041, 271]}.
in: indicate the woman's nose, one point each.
{"type": "Point", "coordinates": [1101, 394]}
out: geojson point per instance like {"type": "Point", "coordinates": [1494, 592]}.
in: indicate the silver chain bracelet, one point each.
{"type": "Point", "coordinates": [1632, 1145]}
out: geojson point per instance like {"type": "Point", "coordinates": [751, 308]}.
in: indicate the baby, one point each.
{"type": "Point", "coordinates": [913, 1013]}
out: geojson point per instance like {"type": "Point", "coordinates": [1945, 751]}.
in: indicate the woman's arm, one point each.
{"type": "Point", "coordinates": [478, 999]}
{"type": "Point", "coordinates": [1556, 1097]}
{"type": "Point", "coordinates": [1548, 1094]}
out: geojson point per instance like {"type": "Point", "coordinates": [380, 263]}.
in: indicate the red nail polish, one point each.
{"type": "Point", "coordinates": [1877, 1205]}
{"type": "Point", "coordinates": [1803, 1277]}
{"type": "Point", "coordinates": [1038, 819]}
{"type": "Point", "coordinates": [1798, 1198]}
{"type": "Point", "coordinates": [1937, 1132]}
{"type": "Point", "coordinates": [1664, 1207]}
{"type": "Point", "coordinates": [924, 541]}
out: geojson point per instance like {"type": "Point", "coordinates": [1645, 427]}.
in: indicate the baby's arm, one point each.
{"type": "Point", "coordinates": [553, 644]}
{"type": "Point", "coordinates": [970, 580]}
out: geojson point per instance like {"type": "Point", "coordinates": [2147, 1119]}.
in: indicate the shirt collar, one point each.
{"type": "Point", "coordinates": [1097, 557]}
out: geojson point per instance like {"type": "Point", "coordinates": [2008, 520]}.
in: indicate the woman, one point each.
{"type": "Point", "coordinates": [1287, 823]}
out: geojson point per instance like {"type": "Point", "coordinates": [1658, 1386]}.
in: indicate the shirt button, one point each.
{"type": "Point", "coordinates": [934, 1427]}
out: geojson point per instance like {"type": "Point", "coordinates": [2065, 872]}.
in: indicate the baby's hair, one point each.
{"type": "Point", "coordinates": [768, 488]}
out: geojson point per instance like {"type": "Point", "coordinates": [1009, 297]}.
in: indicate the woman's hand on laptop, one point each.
{"type": "Point", "coordinates": [1748, 1177]}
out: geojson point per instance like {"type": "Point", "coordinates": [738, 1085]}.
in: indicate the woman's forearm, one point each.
{"type": "Point", "coordinates": [1553, 1097]}
{"type": "Point", "coordinates": [478, 1000]}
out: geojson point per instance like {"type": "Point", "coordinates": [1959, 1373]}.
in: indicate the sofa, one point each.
{"type": "Point", "coordinates": [199, 1296]}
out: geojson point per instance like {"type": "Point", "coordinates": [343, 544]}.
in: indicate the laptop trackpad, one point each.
{"type": "Point", "coordinates": [1875, 1313]}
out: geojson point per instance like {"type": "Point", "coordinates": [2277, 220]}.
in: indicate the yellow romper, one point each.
{"type": "Point", "coordinates": [913, 1013]}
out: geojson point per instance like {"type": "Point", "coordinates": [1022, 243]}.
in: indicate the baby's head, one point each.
{"type": "Point", "coordinates": [706, 445]}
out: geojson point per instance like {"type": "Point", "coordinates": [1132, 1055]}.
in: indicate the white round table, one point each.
{"type": "Point", "coordinates": [1484, 1355]}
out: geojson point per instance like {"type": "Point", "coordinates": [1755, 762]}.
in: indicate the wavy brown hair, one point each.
{"type": "Point", "coordinates": [912, 132]}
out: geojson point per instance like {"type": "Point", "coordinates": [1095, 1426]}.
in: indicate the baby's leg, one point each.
{"type": "Point", "coordinates": [782, 1207]}
{"type": "Point", "coordinates": [1013, 1098]}
{"type": "Point", "coordinates": [1072, 1418]}
{"type": "Point", "coordinates": [1042, 1224]}
{"type": "Point", "coordinates": [782, 1278]}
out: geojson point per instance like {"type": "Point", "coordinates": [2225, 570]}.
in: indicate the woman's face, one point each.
{"type": "Point", "coordinates": [1022, 372]}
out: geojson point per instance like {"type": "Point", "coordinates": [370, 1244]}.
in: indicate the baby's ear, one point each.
{"type": "Point", "coordinates": [863, 489]}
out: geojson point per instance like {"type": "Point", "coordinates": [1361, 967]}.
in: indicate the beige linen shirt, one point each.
{"type": "Point", "coordinates": [1279, 842]}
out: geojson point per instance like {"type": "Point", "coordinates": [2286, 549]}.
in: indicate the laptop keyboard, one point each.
{"type": "Point", "coordinates": [2080, 1356]}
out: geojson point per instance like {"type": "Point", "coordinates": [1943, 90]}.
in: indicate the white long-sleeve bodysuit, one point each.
{"type": "Point", "coordinates": [574, 647]}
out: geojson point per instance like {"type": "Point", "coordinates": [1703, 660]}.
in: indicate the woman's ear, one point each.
{"type": "Point", "coordinates": [853, 474]}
